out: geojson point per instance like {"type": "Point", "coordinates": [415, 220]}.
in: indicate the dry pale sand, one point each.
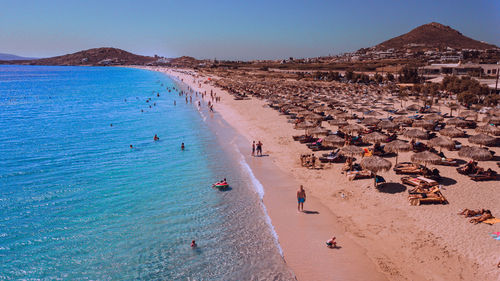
{"type": "Point", "coordinates": [379, 232]}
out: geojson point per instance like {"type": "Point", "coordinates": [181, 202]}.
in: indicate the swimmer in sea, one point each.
{"type": "Point", "coordinates": [156, 137]}
{"type": "Point", "coordinates": [182, 146]}
{"type": "Point", "coordinates": [193, 244]}
{"type": "Point", "coordinates": [131, 146]}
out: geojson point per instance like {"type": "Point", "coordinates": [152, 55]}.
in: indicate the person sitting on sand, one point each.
{"type": "Point", "coordinates": [331, 243]}
{"type": "Point", "coordinates": [193, 244]}
{"type": "Point", "coordinates": [348, 165]}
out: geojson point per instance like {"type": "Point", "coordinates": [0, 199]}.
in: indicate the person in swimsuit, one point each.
{"type": "Point", "coordinates": [253, 148]}
{"type": "Point", "coordinates": [301, 198]}
{"type": "Point", "coordinates": [182, 146]}
{"type": "Point", "coordinates": [193, 244]}
{"type": "Point", "coordinates": [331, 243]}
{"type": "Point", "coordinates": [156, 137]}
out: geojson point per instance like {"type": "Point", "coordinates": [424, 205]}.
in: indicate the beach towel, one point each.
{"type": "Point", "coordinates": [492, 221]}
{"type": "Point", "coordinates": [496, 235]}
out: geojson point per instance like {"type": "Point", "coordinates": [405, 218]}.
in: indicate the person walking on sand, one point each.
{"type": "Point", "coordinates": [253, 148]}
{"type": "Point", "coordinates": [301, 198]}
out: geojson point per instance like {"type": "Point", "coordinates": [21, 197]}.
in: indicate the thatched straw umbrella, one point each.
{"type": "Point", "coordinates": [375, 164]}
{"type": "Point", "coordinates": [351, 151]}
{"type": "Point", "coordinates": [338, 122]}
{"type": "Point", "coordinates": [415, 134]}
{"type": "Point", "coordinates": [318, 131]}
{"type": "Point", "coordinates": [397, 146]}
{"type": "Point", "coordinates": [426, 124]}
{"type": "Point", "coordinates": [433, 117]}
{"type": "Point", "coordinates": [468, 114]}
{"type": "Point", "coordinates": [345, 116]}
{"type": "Point", "coordinates": [371, 113]}
{"type": "Point", "coordinates": [387, 125]}
{"type": "Point", "coordinates": [425, 157]}
{"type": "Point", "coordinates": [475, 153]}
{"type": "Point", "coordinates": [452, 132]}
{"type": "Point", "coordinates": [375, 137]}
{"type": "Point", "coordinates": [403, 120]}
{"type": "Point", "coordinates": [333, 140]}
{"type": "Point", "coordinates": [482, 139]}
{"type": "Point", "coordinates": [352, 128]}
{"type": "Point", "coordinates": [441, 142]}
{"type": "Point", "coordinates": [402, 112]}
{"type": "Point", "coordinates": [304, 125]}
{"type": "Point", "coordinates": [495, 120]}
{"type": "Point", "coordinates": [488, 129]}
{"type": "Point", "coordinates": [413, 107]}
{"type": "Point", "coordinates": [456, 122]}
{"type": "Point", "coordinates": [370, 121]}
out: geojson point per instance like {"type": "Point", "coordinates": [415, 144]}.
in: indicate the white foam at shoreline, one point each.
{"type": "Point", "coordinates": [260, 190]}
{"type": "Point", "coordinates": [257, 185]}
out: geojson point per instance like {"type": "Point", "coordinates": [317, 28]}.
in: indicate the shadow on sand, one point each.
{"type": "Point", "coordinates": [447, 181]}
{"type": "Point", "coordinates": [391, 187]}
{"type": "Point", "coordinates": [310, 212]}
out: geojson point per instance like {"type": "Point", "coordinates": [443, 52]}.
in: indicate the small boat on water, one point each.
{"type": "Point", "coordinates": [221, 185]}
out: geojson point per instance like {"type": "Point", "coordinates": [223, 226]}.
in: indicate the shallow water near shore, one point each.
{"type": "Point", "coordinates": [78, 203]}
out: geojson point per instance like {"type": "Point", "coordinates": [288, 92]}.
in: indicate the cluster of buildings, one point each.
{"type": "Point", "coordinates": [422, 53]}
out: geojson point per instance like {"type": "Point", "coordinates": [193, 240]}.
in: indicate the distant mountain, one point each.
{"type": "Point", "coordinates": [97, 56]}
{"type": "Point", "coordinates": [13, 57]}
{"type": "Point", "coordinates": [433, 36]}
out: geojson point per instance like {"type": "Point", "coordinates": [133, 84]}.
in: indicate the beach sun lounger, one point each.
{"type": "Point", "coordinates": [433, 195]}
{"type": "Point", "coordinates": [448, 162]}
{"type": "Point", "coordinates": [420, 182]}
{"type": "Point", "coordinates": [356, 175]}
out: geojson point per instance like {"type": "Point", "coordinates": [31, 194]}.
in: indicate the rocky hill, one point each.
{"type": "Point", "coordinates": [97, 56]}
{"type": "Point", "coordinates": [433, 36]}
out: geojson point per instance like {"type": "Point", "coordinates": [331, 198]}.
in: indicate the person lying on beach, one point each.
{"type": "Point", "coordinates": [485, 216]}
{"type": "Point", "coordinates": [471, 213]}
{"type": "Point", "coordinates": [331, 243]}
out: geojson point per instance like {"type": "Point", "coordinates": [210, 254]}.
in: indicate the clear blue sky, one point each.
{"type": "Point", "coordinates": [230, 29]}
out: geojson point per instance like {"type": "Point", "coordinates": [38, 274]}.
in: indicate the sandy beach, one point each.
{"type": "Point", "coordinates": [381, 237]}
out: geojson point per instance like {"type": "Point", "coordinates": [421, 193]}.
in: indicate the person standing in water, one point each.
{"type": "Point", "coordinates": [301, 198]}
{"type": "Point", "coordinates": [182, 146]}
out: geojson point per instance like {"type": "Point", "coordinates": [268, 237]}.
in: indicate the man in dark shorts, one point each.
{"type": "Point", "coordinates": [253, 148]}
{"type": "Point", "coordinates": [259, 149]}
{"type": "Point", "coordinates": [301, 198]}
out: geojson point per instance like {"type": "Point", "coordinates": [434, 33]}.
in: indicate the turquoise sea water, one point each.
{"type": "Point", "coordinates": [76, 202]}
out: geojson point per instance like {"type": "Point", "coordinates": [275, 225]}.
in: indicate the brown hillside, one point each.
{"type": "Point", "coordinates": [97, 56]}
{"type": "Point", "coordinates": [434, 35]}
